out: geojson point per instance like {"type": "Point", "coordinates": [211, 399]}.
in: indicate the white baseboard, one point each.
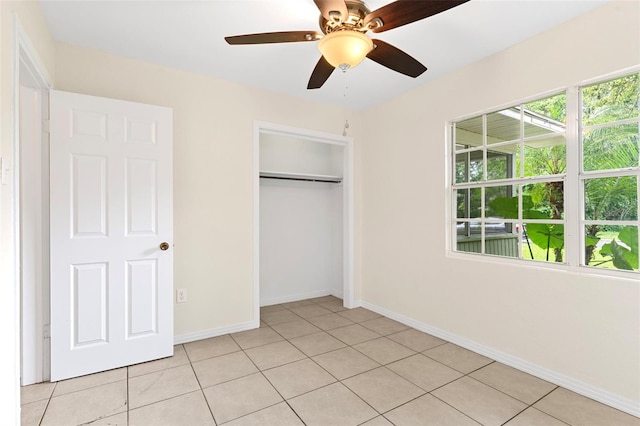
{"type": "Point", "coordinates": [249, 325]}
{"type": "Point", "coordinates": [296, 297]}
{"type": "Point", "coordinates": [616, 401]}
{"type": "Point", "coordinates": [200, 335]}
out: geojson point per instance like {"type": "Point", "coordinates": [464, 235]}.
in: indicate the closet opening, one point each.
{"type": "Point", "coordinates": [303, 215]}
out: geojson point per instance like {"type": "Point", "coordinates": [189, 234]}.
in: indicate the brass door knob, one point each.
{"type": "Point", "coordinates": [164, 246]}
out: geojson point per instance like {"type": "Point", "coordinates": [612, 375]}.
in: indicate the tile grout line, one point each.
{"type": "Point", "coordinates": [459, 411]}
{"type": "Point", "coordinates": [467, 375]}
{"type": "Point", "coordinates": [46, 407]}
{"type": "Point", "coordinates": [199, 385]}
{"type": "Point", "coordinates": [430, 392]}
{"type": "Point", "coordinates": [542, 411]}
{"type": "Point", "coordinates": [263, 375]}
{"type": "Point", "coordinates": [527, 405]}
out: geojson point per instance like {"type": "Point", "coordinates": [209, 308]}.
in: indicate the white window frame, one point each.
{"type": "Point", "coordinates": [574, 181]}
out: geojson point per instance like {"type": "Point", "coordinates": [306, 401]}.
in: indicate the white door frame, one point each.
{"type": "Point", "coordinates": [28, 68]}
{"type": "Point", "coordinates": [261, 127]}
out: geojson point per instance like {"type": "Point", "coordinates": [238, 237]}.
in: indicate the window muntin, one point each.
{"type": "Point", "coordinates": [515, 163]}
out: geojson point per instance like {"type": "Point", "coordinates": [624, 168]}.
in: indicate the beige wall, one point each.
{"type": "Point", "coordinates": [30, 17]}
{"type": "Point", "coordinates": [213, 198]}
{"type": "Point", "coordinates": [583, 327]}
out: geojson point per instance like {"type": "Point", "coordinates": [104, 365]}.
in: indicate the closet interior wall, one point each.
{"type": "Point", "coordinates": [301, 220]}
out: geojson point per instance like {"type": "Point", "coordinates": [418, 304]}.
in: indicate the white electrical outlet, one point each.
{"type": "Point", "coordinates": [181, 295]}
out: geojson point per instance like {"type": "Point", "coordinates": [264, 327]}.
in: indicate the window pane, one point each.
{"type": "Point", "coordinates": [500, 244]}
{"type": "Point", "coordinates": [545, 157]}
{"type": "Point", "coordinates": [545, 116]}
{"type": "Point", "coordinates": [497, 228]}
{"type": "Point", "coordinates": [461, 167]}
{"type": "Point", "coordinates": [469, 132]}
{"type": "Point", "coordinates": [499, 165]}
{"type": "Point", "coordinates": [468, 203]}
{"type": "Point", "coordinates": [543, 242]}
{"type": "Point", "coordinates": [518, 170]}
{"type": "Point", "coordinates": [612, 198]}
{"type": "Point", "coordinates": [525, 244]}
{"type": "Point", "coordinates": [543, 200]}
{"type": "Point", "coordinates": [610, 101]}
{"type": "Point", "coordinates": [613, 147]}
{"type": "Point", "coordinates": [501, 202]}
{"type": "Point", "coordinates": [612, 247]}
{"type": "Point", "coordinates": [503, 126]}
{"type": "Point", "coordinates": [592, 243]}
{"type": "Point", "coordinates": [468, 244]}
{"type": "Point", "coordinates": [469, 167]}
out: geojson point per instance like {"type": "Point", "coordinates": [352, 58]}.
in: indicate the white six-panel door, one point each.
{"type": "Point", "coordinates": [111, 210]}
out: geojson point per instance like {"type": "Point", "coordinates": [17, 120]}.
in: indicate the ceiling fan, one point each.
{"type": "Point", "coordinates": [343, 42]}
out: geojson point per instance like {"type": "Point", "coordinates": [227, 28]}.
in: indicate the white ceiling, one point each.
{"type": "Point", "coordinates": [190, 35]}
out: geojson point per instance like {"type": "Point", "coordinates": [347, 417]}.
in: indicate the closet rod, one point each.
{"type": "Point", "coordinates": [337, 180]}
{"type": "Point", "coordinates": [307, 177]}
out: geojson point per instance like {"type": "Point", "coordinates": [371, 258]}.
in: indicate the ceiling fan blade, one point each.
{"type": "Point", "coordinates": [402, 12]}
{"type": "Point", "coordinates": [278, 37]}
{"type": "Point", "coordinates": [395, 59]}
{"type": "Point", "coordinates": [328, 6]}
{"type": "Point", "coordinates": [320, 74]}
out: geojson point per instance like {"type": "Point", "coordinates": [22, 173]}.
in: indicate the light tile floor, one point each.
{"type": "Point", "coordinates": [314, 363]}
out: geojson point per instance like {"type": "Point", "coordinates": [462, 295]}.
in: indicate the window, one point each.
{"type": "Point", "coordinates": [511, 168]}
{"type": "Point", "coordinates": [609, 181]}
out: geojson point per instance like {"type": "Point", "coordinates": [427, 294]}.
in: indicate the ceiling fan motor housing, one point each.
{"type": "Point", "coordinates": [354, 22]}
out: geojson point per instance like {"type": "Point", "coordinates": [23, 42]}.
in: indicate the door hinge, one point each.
{"type": "Point", "coordinates": [46, 331]}
{"type": "Point", "coordinates": [46, 125]}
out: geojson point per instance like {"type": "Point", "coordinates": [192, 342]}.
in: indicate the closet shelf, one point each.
{"type": "Point", "coordinates": [299, 176]}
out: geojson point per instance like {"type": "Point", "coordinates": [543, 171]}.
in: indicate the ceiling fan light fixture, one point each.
{"type": "Point", "coordinates": [345, 49]}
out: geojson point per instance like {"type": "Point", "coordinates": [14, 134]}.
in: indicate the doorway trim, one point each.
{"type": "Point", "coordinates": [261, 127]}
{"type": "Point", "coordinates": [27, 61]}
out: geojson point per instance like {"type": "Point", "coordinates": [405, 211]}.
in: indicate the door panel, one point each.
{"type": "Point", "coordinates": [142, 288]}
{"type": "Point", "coordinates": [89, 307]}
{"type": "Point", "coordinates": [141, 193]}
{"type": "Point", "coordinates": [89, 196]}
{"type": "Point", "coordinates": [111, 207]}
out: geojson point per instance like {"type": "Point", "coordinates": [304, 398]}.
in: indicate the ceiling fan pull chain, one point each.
{"type": "Point", "coordinates": [346, 121]}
